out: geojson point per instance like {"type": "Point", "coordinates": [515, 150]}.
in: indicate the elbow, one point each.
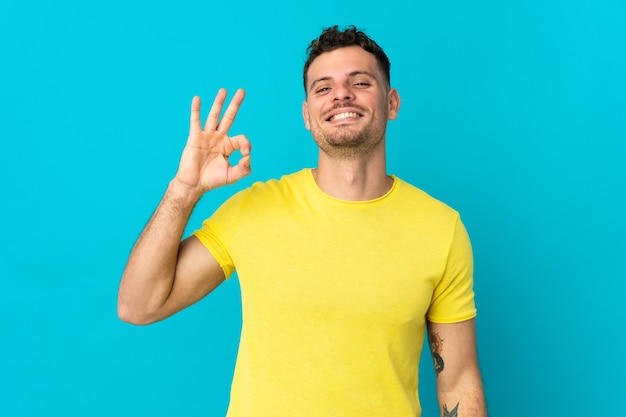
{"type": "Point", "coordinates": [128, 315]}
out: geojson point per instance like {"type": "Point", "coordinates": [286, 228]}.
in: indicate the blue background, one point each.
{"type": "Point", "coordinates": [513, 113]}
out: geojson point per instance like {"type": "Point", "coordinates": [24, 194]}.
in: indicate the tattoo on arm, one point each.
{"type": "Point", "coordinates": [436, 347]}
{"type": "Point", "coordinates": [453, 413]}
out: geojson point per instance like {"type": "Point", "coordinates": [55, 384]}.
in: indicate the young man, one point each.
{"type": "Point", "coordinates": [341, 267]}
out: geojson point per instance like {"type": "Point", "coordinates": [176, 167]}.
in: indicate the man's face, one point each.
{"type": "Point", "coordinates": [348, 102]}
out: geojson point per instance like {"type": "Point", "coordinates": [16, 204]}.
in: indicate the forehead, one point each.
{"type": "Point", "coordinates": [341, 62]}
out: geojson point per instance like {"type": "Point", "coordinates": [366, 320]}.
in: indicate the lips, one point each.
{"type": "Point", "coordinates": [344, 113]}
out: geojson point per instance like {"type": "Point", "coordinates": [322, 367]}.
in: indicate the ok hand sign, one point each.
{"type": "Point", "coordinates": [204, 164]}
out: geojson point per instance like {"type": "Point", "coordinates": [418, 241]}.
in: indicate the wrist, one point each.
{"type": "Point", "coordinates": [183, 193]}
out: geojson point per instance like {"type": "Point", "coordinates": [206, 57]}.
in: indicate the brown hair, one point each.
{"type": "Point", "coordinates": [332, 38]}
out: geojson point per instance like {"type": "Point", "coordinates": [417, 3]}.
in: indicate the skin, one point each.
{"type": "Point", "coordinates": [459, 383]}
{"type": "Point", "coordinates": [351, 160]}
{"type": "Point", "coordinates": [164, 275]}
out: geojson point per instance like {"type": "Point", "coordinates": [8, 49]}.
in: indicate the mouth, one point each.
{"type": "Point", "coordinates": [344, 115]}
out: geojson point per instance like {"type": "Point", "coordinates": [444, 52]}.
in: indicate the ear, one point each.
{"type": "Point", "coordinates": [305, 115]}
{"type": "Point", "coordinates": [393, 102]}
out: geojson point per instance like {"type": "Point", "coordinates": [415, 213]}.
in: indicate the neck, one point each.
{"type": "Point", "coordinates": [355, 179]}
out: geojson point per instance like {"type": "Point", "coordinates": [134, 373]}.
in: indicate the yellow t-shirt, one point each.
{"type": "Point", "coordinates": [335, 295]}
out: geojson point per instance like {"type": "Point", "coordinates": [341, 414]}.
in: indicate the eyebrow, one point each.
{"type": "Point", "coordinates": [352, 74]}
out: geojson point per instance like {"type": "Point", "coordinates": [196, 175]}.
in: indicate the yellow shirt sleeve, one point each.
{"type": "Point", "coordinates": [453, 296]}
{"type": "Point", "coordinates": [217, 232]}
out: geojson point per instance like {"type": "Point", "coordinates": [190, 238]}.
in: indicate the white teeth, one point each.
{"type": "Point", "coordinates": [344, 115]}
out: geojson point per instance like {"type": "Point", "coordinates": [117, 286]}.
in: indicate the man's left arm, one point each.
{"type": "Point", "coordinates": [459, 383]}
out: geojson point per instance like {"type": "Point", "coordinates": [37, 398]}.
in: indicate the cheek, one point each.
{"type": "Point", "coordinates": [312, 117]}
{"type": "Point", "coordinates": [305, 116]}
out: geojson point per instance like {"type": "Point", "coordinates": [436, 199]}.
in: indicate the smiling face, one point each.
{"type": "Point", "coordinates": [348, 102]}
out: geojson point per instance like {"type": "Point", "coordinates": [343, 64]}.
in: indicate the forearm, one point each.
{"type": "Point", "coordinates": [150, 272]}
{"type": "Point", "coordinates": [464, 398]}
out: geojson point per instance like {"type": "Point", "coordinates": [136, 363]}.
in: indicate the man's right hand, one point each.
{"type": "Point", "coordinates": [163, 275]}
{"type": "Point", "coordinates": [204, 164]}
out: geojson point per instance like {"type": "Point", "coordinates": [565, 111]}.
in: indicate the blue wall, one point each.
{"type": "Point", "coordinates": [514, 113]}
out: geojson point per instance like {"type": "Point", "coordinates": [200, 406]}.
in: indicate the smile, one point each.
{"type": "Point", "coordinates": [346, 115]}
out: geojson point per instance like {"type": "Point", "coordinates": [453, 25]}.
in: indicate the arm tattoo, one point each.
{"type": "Point", "coordinates": [453, 413]}
{"type": "Point", "coordinates": [436, 347]}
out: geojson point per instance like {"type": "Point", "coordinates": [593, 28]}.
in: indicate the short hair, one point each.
{"type": "Point", "coordinates": [332, 38]}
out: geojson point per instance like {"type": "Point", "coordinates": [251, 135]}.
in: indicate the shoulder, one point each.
{"type": "Point", "coordinates": [286, 181]}
{"type": "Point", "coordinates": [287, 184]}
{"type": "Point", "coordinates": [262, 199]}
{"type": "Point", "coordinates": [272, 192]}
{"type": "Point", "coordinates": [414, 198]}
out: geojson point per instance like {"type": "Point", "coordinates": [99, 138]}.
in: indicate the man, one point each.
{"type": "Point", "coordinates": [341, 267]}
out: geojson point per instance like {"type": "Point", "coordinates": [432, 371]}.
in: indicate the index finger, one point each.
{"type": "Point", "coordinates": [229, 115]}
{"type": "Point", "coordinates": [194, 121]}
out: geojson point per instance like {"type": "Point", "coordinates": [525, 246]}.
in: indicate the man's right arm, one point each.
{"type": "Point", "coordinates": [164, 275]}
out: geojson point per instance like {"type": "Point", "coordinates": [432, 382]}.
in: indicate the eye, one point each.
{"type": "Point", "coordinates": [362, 84]}
{"type": "Point", "coordinates": [322, 90]}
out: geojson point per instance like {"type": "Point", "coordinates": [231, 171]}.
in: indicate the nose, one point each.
{"type": "Point", "coordinates": [343, 92]}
